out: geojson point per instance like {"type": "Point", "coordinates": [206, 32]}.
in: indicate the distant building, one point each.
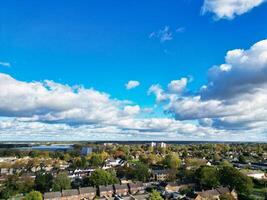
{"type": "Point", "coordinates": [162, 145]}
{"type": "Point", "coordinates": [160, 175]}
{"type": "Point", "coordinates": [153, 144]}
{"type": "Point", "coordinates": [86, 151]}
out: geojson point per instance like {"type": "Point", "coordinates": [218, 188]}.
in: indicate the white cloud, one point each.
{"type": "Point", "coordinates": [235, 96]}
{"type": "Point", "coordinates": [177, 86]}
{"type": "Point", "coordinates": [228, 9]}
{"type": "Point", "coordinates": [5, 64]}
{"type": "Point", "coordinates": [132, 110]}
{"type": "Point", "coordinates": [132, 84]}
{"type": "Point", "coordinates": [158, 92]}
{"type": "Point", "coordinates": [54, 102]}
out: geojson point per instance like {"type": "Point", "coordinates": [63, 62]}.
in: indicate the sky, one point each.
{"type": "Point", "coordinates": [133, 70]}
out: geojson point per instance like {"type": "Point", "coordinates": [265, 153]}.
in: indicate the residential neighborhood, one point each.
{"type": "Point", "coordinates": [136, 171]}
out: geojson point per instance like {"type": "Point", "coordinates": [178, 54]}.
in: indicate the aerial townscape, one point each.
{"type": "Point", "coordinates": [133, 171]}
{"type": "Point", "coordinates": [133, 99]}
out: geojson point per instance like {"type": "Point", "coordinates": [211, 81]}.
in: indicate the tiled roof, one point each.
{"type": "Point", "coordinates": [85, 190]}
{"type": "Point", "coordinates": [70, 192]}
{"type": "Point", "coordinates": [118, 186]}
{"type": "Point", "coordinates": [50, 195]}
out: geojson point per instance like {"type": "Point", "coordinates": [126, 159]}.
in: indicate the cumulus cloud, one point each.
{"type": "Point", "coordinates": [177, 86]}
{"type": "Point", "coordinates": [234, 97]}
{"type": "Point", "coordinates": [132, 84]}
{"type": "Point", "coordinates": [54, 102]}
{"type": "Point", "coordinates": [228, 9]}
{"type": "Point", "coordinates": [52, 111]}
{"type": "Point", "coordinates": [5, 64]}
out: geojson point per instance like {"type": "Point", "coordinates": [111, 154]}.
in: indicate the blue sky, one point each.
{"type": "Point", "coordinates": [105, 44]}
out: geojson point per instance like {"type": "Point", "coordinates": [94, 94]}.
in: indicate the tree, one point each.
{"type": "Point", "coordinates": [101, 177]}
{"type": "Point", "coordinates": [242, 159]}
{"type": "Point", "coordinates": [155, 196]}
{"type": "Point", "coordinates": [208, 176]}
{"type": "Point", "coordinates": [11, 187]}
{"type": "Point", "coordinates": [172, 161]}
{"type": "Point", "coordinates": [236, 180]}
{"type": "Point", "coordinates": [33, 195]}
{"type": "Point", "coordinates": [96, 160]}
{"type": "Point", "coordinates": [61, 182]}
{"type": "Point", "coordinates": [141, 172]}
{"type": "Point", "coordinates": [43, 181]}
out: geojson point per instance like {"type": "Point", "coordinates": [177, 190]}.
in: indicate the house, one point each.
{"type": "Point", "coordinates": [214, 194]}
{"type": "Point", "coordinates": [113, 163]}
{"type": "Point", "coordinates": [170, 187]}
{"type": "Point", "coordinates": [160, 175]}
{"type": "Point", "coordinates": [70, 195]}
{"type": "Point", "coordinates": [135, 188]}
{"type": "Point", "coordinates": [52, 196]}
{"type": "Point", "coordinates": [106, 191]}
{"type": "Point", "coordinates": [121, 190]}
{"type": "Point", "coordinates": [87, 193]}
{"type": "Point", "coordinates": [256, 175]}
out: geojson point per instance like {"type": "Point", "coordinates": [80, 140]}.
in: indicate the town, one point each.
{"type": "Point", "coordinates": [134, 171]}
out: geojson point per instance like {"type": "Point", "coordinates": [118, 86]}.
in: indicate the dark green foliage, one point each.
{"type": "Point", "coordinates": [101, 177]}
{"type": "Point", "coordinates": [61, 182]}
{"type": "Point", "coordinates": [43, 182]}
{"type": "Point", "coordinates": [141, 172]}
{"type": "Point", "coordinates": [208, 176]}
{"type": "Point", "coordinates": [232, 177]}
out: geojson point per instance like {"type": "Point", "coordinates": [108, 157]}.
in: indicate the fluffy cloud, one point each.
{"type": "Point", "coordinates": [177, 86]}
{"type": "Point", "coordinates": [132, 84]}
{"type": "Point", "coordinates": [228, 9]}
{"type": "Point", "coordinates": [174, 91]}
{"type": "Point", "coordinates": [52, 111]}
{"type": "Point", "coordinates": [54, 102]}
{"type": "Point", "coordinates": [235, 96]}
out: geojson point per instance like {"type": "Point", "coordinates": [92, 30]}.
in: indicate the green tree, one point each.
{"type": "Point", "coordinates": [141, 172]}
{"type": "Point", "coordinates": [208, 176]}
{"type": "Point", "coordinates": [155, 196]}
{"type": "Point", "coordinates": [11, 187]}
{"type": "Point", "coordinates": [61, 182]}
{"type": "Point", "coordinates": [242, 159]}
{"type": "Point", "coordinates": [232, 177]}
{"type": "Point", "coordinates": [43, 182]}
{"type": "Point", "coordinates": [34, 195]}
{"type": "Point", "coordinates": [101, 177]}
{"type": "Point", "coordinates": [96, 160]}
{"type": "Point", "coordinates": [172, 161]}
